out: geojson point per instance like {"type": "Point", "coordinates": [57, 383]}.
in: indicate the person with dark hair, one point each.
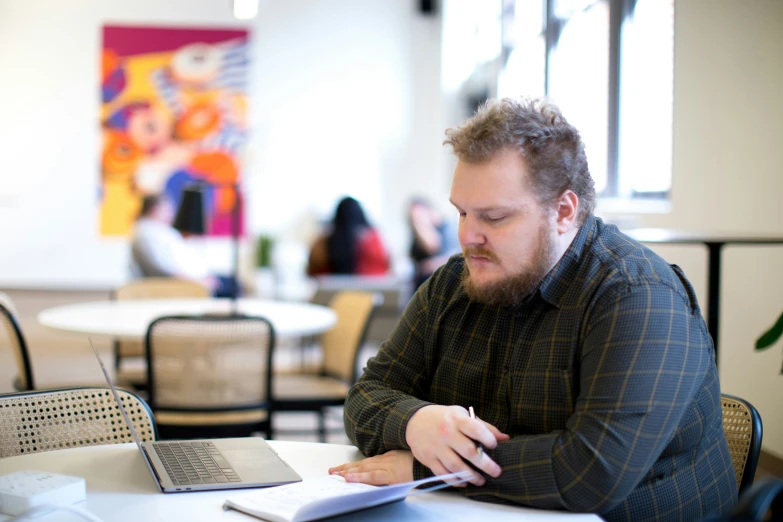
{"type": "Point", "coordinates": [433, 240]}
{"type": "Point", "coordinates": [159, 250]}
{"type": "Point", "coordinates": [352, 246]}
{"type": "Point", "coordinates": [583, 354]}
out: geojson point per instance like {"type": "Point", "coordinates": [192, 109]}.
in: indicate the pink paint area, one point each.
{"type": "Point", "coordinates": [130, 41]}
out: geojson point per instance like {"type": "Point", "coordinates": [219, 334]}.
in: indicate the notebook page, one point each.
{"type": "Point", "coordinates": [282, 502]}
{"type": "Point", "coordinates": [313, 499]}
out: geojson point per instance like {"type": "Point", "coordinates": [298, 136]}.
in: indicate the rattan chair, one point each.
{"type": "Point", "coordinates": [129, 355]}
{"type": "Point", "coordinates": [742, 425]}
{"type": "Point", "coordinates": [328, 387]}
{"type": "Point", "coordinates": [396, 293]}
{"type": "Point", "coordinates": [210, 376]}
{"type": "Point", "coordinates": [12, 331]}
{"type": "Point", "coordinates": [49, 420]}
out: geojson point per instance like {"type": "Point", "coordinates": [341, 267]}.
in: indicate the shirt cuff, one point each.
{"type": "Point", "coordinates": [397, 422]}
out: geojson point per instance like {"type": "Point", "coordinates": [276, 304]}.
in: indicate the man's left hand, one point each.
{"type": "Point", "coordinates": [392, 467]}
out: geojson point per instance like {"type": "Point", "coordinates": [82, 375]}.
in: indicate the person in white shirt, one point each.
{"type": "Point", "coordinates": [159, 250]}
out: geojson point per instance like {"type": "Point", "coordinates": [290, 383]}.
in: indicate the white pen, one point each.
{"type": "Point", "coordinates": [479, 447]}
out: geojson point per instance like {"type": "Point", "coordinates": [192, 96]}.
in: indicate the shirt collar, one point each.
{"type": "Point", "coordinates": [557, 281]}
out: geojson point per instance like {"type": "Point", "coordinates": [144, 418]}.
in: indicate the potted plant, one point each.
{"type": "Point", "coordinates": [265, 275]}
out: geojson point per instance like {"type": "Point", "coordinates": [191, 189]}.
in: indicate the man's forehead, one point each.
{"type": "Point", "coordinates": [487, 206]}
{"type": "Point", "coordinates": [500, 183]}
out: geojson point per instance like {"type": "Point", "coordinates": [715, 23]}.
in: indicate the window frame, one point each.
{"type": "Point", "coordinates": [553, 26]}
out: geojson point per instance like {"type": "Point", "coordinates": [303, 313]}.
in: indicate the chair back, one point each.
{"type": "Point", "coordinates": [9, 324]}
{"type": "Point", "coordinates": [49, 420]}
{"type": "Point", "coordinates": [742, 426]}
{"type": "Point", "coordinates": [199, 367]}
{"type": "Point", "coordinates": [153, 288]}
{"type": "Point", "coordinates": [396, 293]}
{"type": "Point", "coordinates": [160, 287]}
{"type": "Point", "coordinates": [342, 343]}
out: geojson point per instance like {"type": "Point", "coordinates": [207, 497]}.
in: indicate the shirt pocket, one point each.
{"type": "Point", "coordinates": [541, 400]}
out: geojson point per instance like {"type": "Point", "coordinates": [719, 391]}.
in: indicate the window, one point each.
{"type": "Point", "coordinates": [608, 64]}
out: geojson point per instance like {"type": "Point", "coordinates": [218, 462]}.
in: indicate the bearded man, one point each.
{"type": "Point", "coordinates": [584, 354]}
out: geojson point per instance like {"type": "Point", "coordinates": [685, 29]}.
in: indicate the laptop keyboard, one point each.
{"type": "Point", "coordinates": [195, 462]}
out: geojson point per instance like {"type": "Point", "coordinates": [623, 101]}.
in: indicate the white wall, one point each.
{"type": "Point", "coordinates": [345, 100]}
{"type": "Point", "coordinates": [727, 176]}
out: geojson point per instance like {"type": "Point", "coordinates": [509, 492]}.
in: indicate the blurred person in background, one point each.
{"type": "Point", "coordinates": [433, 241]}
{"type": "Point", "coordinates": [351, 245]}
{"type": "Point", "coordinates": [159, 250]}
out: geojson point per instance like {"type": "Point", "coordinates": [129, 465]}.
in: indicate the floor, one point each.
{"type": "Point", "coordinates": [64, 359]}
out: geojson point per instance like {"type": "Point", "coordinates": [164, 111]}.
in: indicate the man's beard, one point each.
{"type": "Point", "coordinates": [513, 289]}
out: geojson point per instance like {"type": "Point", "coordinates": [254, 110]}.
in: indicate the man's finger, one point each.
{"type": "Point", "coordinates": [479, 431]}
{"type": "Point", "coordinates": [499, 435]}
{"type": "Point", "coordinates": [453, 463]}
{"type": "Point", "coordinates": [376, 477]}
{"type": "Point", "coordinates": [343, 467]}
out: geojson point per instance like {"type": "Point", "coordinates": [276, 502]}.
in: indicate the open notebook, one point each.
{"type": "Point", "coordinates": [323, 497]}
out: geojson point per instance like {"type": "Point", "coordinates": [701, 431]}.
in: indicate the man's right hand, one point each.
{"type": "Point", "coordinates": [444, 437]}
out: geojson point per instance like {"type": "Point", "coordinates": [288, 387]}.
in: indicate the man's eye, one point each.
{"type": "Point", "coordinates": [495, 219]}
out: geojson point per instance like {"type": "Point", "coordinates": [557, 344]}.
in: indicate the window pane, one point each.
{"type": "Point", "coordinates": [524, 71]}
{"type": "Point", "coordinates": [646, 98]}
{"type": "Point", "coordinates": [579, 81]}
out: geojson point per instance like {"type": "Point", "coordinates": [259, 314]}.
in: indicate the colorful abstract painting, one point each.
{"type": "Point", "coordinates": [174, 111]}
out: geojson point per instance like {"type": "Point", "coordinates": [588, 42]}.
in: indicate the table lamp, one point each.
{"type": "Point", "coordinates": [191, 219]}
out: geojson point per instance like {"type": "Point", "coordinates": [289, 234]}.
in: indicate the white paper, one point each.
{"type": "Point", "coordinates": [322, 497]}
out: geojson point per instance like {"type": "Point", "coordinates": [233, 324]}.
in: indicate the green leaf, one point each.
{"type": "Point", "coordinates": [770, 336]}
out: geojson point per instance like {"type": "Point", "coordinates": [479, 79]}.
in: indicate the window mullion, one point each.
{"type": "Point", "coordinates": [552, 32]}
{"type": "Point", "coordinates": [616, 16]}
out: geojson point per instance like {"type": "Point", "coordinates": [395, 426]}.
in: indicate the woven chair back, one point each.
{"type": "Point", "coordinates": [341, 344]}
{"type": "Point", "coordinates": [742, 426]}
{"type": "Point", "coordinates": [209, 363]}
{"type": "Point", "coordinates": [69, 418]}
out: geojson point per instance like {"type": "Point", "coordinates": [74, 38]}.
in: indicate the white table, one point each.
{"type": "Point", "coordinates": [120, 489]}
{"type": "Point", "coordinates": [129, 319]}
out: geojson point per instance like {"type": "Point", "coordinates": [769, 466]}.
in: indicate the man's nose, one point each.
{"type": "Point", "coordinates": [470, 232]}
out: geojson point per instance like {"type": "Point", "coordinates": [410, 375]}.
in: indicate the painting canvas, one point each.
{"type": "Point", "coordinates": [173, 112]}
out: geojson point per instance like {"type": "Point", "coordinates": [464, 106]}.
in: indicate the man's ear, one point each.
{"type": "Point", "coordinates": [566, 207]}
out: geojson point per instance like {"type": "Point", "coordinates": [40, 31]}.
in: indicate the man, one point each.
{"type": "Point", "coordinates": [159, 250]}
{"type": "Point", "coordinates": [583, 353]}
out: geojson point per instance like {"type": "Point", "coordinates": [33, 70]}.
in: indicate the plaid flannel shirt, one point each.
{"type": "Point", "coordinates": [605, 379]}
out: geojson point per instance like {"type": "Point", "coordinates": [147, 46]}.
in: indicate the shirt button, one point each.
{"type": "Point", "coordinates": [505, 368]}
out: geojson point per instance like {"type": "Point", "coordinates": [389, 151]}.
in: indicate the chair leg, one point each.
{"type": "Point", "coordinates": [116, 346]}
{"type": "Point", "coordinates": [322, 425]}
{"type": "Point", "coordinates": [268, 428]}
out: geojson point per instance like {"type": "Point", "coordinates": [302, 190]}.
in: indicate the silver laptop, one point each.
{"type": "Point", "coordinates": [207, 465]}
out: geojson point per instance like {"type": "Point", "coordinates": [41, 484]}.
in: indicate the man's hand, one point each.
{"type": "Point", "coordinates": [392, 467]}
{"type": "Point", "coordinates": [444, 437]}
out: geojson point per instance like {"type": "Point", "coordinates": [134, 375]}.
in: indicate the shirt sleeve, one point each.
{"type": "Point", "coordinates": [643, 358]}
{"type": "Point", "coordinates": [378, 407]}
{"type": "Point", "coordinates": [154, 250]}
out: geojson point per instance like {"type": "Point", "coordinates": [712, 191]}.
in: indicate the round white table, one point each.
{"type": "Point", "coordinates": [120, 489]}
{"type": "Point", "coordinates": [129, 319]}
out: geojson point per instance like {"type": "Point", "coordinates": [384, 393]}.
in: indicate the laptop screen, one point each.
{"type": "Point", "coordinates": [117, 398]}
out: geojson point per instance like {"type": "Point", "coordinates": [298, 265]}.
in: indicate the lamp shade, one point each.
{"type": "Point", "coordinates": [190, 217]}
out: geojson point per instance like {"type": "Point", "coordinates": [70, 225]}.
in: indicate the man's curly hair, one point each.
{"type": "Point", "coordinates": [551, 147]}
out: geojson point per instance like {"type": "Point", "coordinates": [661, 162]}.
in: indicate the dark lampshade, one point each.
{"type": "Point", "coordinates": [190, 214]}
